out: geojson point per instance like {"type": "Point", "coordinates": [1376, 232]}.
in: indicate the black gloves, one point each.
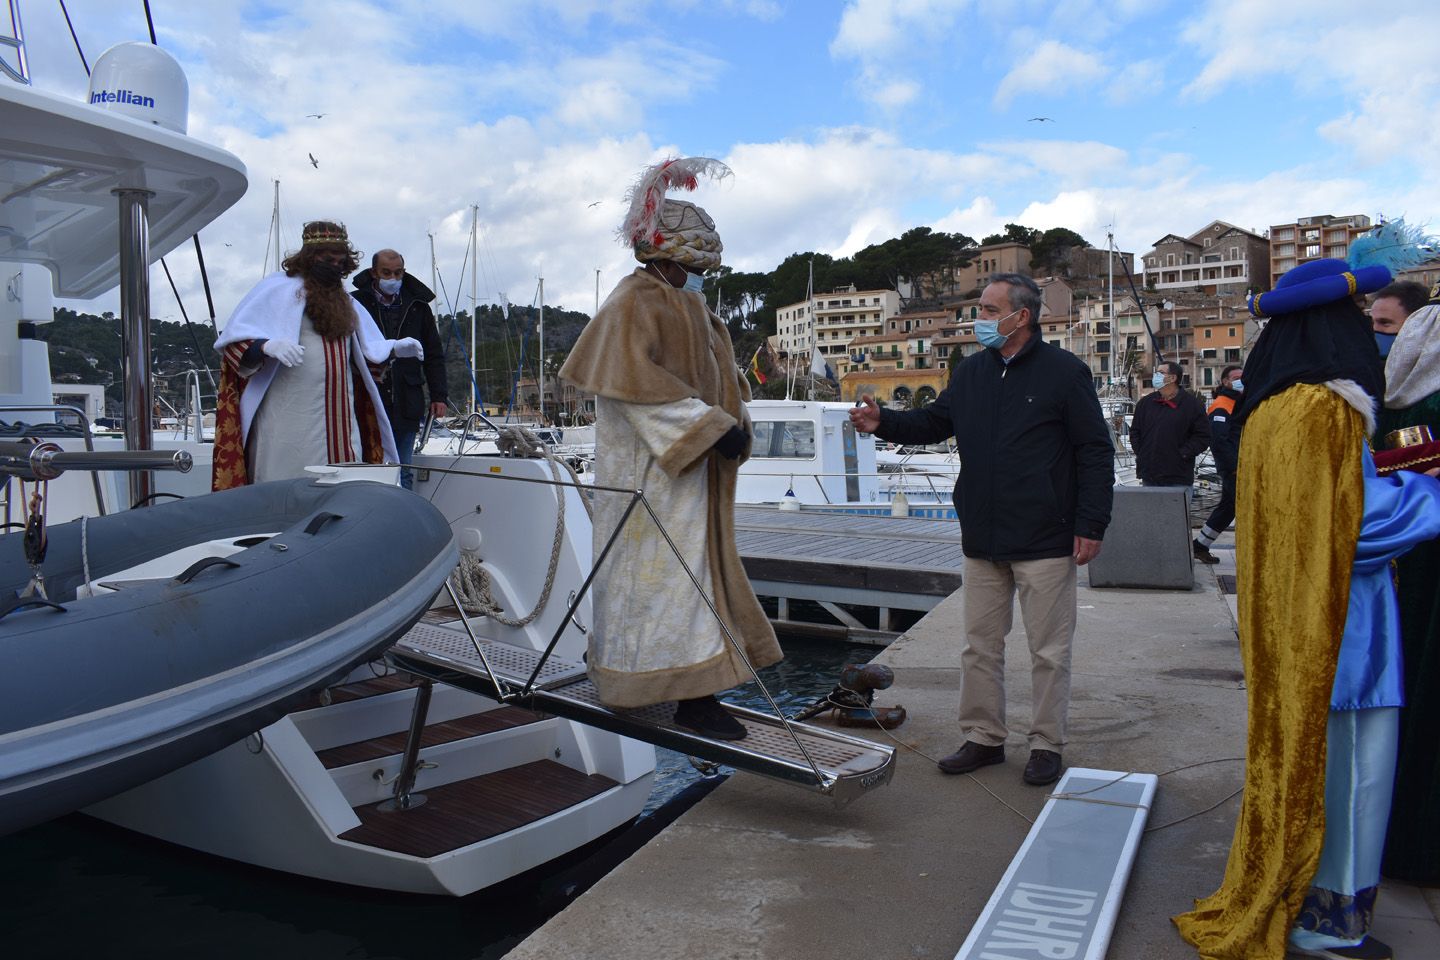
{"type": "Point", "coordinates": [732, 444]}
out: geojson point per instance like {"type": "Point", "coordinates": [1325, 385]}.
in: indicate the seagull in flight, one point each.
{"type": "Point", "coordinates": [1041, 120]}
{"type": "Point", "coordinates": [317, 116]}
{"type": "Point", "coordinates": [595, 204]}
{"type": "Point", "coordinates": [313, 162]}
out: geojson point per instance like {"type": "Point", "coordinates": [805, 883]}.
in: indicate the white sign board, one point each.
{"type": "Point", "coordinates": [1060, 896]}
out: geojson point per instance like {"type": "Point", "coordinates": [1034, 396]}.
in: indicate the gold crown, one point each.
{"type": "Point", "coordinates": [322, 232]}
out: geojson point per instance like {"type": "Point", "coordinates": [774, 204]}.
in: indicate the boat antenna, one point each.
{"type": "Point", "coordinates": [83, 62]}
{"type": "Point", "coordinates": [150, 21]}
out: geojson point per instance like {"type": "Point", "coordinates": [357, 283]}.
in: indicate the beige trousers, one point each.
{"type": "Point", "coordinates": [1047, 608]}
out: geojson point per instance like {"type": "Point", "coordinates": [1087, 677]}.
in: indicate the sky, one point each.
{"type": "Point", "coordinates": [844, 123]}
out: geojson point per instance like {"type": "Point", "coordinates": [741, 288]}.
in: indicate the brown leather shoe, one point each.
{"type": "Point", "coordinates": [970, 757]}
{"type": "Point", "coordinates": [1043, 768]}
{"type": "Point", "coordinates": [1202, 552]}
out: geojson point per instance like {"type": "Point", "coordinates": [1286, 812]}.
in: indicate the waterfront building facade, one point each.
{"type": "Point", "coordinates": [831, 320]}
{"type": "Point", "coordinates": [1312, 238]}
{"type": "Point", "coordinates": [1219, 259]}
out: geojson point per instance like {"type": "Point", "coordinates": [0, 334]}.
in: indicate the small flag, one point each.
{"type": "Point", "coordinates": [819, 367]}
{"type": "Point", "coordinates": [755, 370]}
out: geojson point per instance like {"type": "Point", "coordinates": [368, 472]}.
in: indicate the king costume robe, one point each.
{"type": "Point", "coordinates": [668, 387]}
{"type": "Point", "coordinates": [1319, 637]}
{"type": "Point", "coordinates": [345, 401]}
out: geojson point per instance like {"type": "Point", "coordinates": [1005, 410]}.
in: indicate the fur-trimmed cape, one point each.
{"type": "Point", "coordinates": [664, 370]}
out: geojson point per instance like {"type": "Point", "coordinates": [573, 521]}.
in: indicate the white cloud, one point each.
{"type": "Point", "coordinates": [1136, 81]}
{"type": "Point", "coordinates": [885, 35]}
{"type": "Point", "coordinates": [1052, 68]}
{"type": "Point", "coordinates": [1379, 70]}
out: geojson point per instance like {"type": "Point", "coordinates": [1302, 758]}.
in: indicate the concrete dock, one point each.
{"type": "Point", "coordinates": [761, 871]}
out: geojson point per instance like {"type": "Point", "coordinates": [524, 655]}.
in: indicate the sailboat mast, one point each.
{"type": "Point", "coordinates": [474, 306]}
{"type": "Point", "coordinates": [434, 272]}
{"type": "Point", "coordinates": [1114, 357]}
{"type": "Point", "coordinates": [810, 309]}
{"type": "Point", "coordinates": [541, 365]}
{"type": "Point", "coordinates": [275, 225]}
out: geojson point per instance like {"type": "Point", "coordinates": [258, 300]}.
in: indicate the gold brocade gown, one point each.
{"type": "Point", "coordinates": [1299, 504]}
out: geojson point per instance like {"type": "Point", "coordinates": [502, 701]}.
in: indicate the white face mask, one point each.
{"type": "Point", "coordinates": [694, 282]}
{"type": "Point", "coordinates": [389, 287]}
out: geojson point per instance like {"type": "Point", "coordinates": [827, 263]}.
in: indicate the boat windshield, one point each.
{"type": "Point", "coordinates": [784, 438]}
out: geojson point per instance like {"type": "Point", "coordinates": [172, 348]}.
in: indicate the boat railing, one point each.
{"type": "Point", "coordinates": [508, 692]}
{"type": "Point", "coordinates": [89, 444]}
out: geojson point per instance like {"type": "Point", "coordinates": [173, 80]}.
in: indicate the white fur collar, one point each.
{"type": "Point", "coordinates": [1353, 394]}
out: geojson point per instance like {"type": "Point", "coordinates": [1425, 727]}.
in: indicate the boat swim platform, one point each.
{"type": "Point", "coordinates": [884, 563]}
{"type": "Point", "coordinates": [847, 766]}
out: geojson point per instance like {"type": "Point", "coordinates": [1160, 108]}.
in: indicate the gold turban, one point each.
{"type": "Point", "coordinates": [683, 233]}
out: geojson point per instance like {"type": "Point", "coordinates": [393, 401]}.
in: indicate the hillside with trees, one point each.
{"type": "Point", "coordinates": [85, 348]}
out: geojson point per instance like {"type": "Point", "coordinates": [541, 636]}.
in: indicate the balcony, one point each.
{"type": "Point", "coordinates": [918, 350]}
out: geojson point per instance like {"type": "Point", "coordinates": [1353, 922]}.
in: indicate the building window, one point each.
{"type": "Point", "coordinates": [1232, 331]}
{"type": "Point", "coordinates": [1207, 333]}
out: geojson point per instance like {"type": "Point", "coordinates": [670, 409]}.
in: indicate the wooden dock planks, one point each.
{"type": "Point", "coordinates": [887, 554]}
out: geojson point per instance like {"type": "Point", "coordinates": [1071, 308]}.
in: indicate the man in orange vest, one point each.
{"type": "Point", "coordinates": [1225, 445]}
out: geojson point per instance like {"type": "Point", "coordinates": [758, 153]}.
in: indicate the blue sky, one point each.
{"type": "Point", "coordinates": [844, 123]}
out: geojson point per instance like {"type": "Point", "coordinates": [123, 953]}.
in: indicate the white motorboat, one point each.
{"type": "Point", "coordinates": [508, 789]}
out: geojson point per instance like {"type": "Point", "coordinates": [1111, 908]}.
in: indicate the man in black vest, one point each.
{"type": "Point", "coordinates": [400, 302]}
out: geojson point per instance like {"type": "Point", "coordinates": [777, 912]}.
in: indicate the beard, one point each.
{"type": "Point", "coordinates": [330, 308]}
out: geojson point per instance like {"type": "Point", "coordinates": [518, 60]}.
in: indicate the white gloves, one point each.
{"type": "Point", "coordinates": [288, 353]}
{"type": "Point", "coordinates": [409, 347]}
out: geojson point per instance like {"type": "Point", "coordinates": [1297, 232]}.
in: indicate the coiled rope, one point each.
{"type": "Point", "coordinates": [472, 582]}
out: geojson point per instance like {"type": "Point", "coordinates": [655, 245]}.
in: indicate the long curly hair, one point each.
{"type": "Point", "coordinates": [331, 310]}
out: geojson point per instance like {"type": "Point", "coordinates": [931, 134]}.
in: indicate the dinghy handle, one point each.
{"type": "Point", "coordinates": [319, 520]}
{"type": "Point", "coordinates": [17, 603]}
{"type": "Point", "coordinates": [188, 574]}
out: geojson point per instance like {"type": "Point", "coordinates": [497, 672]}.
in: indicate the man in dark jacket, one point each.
{"type": "Point", "coordinates": [400, 302]}
{"type": "Point", "coordinates": [1033, 497]}
{"type": "Point", "coordinates": [1168, 432]}
{"type": "Point", "coordinates": [1225, 445]}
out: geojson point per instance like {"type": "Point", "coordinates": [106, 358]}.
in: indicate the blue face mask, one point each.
{"type": "Point", "coordinates": [389, 287]}
{"type": "Point", "coordinates": [1237, 386]}
{"type": "Point", "coordinates": [694, 282]}
{"type": "Point", "coordinates": [1385, 341]}
{"type": "Point", "coordinates": [1158, 380]}
{"type": "Point", "coordinates": [988, 331]}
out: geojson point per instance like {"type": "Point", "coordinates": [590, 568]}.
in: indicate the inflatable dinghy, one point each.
{"type": "Point", "coordinates": [177, 629]}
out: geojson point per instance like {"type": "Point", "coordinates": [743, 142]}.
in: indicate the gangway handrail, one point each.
{"type": "Point", "coordinates": [637, 497]}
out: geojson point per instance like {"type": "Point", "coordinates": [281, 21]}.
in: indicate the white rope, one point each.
{"type": "Point", "coordinates": [85, 553]}
{"type": "Point", "coordinates": [472, 582]}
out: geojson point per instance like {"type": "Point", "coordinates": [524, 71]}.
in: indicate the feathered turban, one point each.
{"type": "Point", "coordinates": [658, 228]}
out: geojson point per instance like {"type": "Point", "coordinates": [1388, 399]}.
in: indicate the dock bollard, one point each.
{"type": "Point", "coordinates": [900, 505]}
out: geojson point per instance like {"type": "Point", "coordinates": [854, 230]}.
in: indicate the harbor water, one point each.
{"type": "Point", "coordinates": [77, 887]}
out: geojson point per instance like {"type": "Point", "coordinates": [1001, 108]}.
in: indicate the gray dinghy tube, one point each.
{"type": "Point", "coordinates": [123, 687]}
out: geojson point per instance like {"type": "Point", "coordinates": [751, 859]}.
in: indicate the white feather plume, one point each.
{"type": "Point", "coordinates": [647, 196]}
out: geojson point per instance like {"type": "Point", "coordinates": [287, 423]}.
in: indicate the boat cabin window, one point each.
{"type": "Point", "coordinates": [784, 438]}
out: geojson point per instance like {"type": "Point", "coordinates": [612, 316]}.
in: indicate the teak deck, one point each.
{"type": "Point", "coordinates": [458, 814]}
{"type": "Point", "coordinates": [448, 731]}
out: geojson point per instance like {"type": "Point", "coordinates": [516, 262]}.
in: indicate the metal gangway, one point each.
{"type": "Point", "coordinates": [827, 761]}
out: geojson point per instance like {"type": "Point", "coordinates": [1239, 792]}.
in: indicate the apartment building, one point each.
{"type": "Point", "coordinates": [1312, 238]}
{"type": "Point", "coordinates": [831, 320]}
{"type": "Point", "coordinates": [1219, 259]}
{"type": "Point", "coordinates": [906, 362]}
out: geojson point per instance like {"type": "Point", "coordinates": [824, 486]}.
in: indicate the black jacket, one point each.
{"type": "Point", "coordinates": [1166, 439]}
{"type": "Point", "coordinates": [1037, 467]}
{"type": "Point", "coordinates": [402, 388]}
{"type": "Point", "coordinates": [1224, 433]}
